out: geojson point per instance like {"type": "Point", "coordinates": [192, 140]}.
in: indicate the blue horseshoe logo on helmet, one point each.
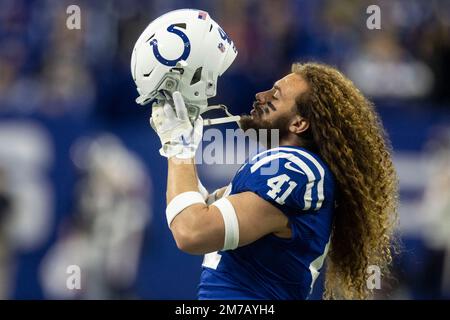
{"type": "Point", "coordinates": [184, 55]}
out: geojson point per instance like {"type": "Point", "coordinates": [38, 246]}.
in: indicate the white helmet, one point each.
{"type": "Point", "coordinates": [183, 50]}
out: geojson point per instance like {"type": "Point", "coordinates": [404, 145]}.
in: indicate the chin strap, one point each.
{"type": "Point", "coordinates": [227, 119]}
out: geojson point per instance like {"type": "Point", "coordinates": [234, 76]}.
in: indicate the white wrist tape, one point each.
{"type": "Point", "coordinates": [231, 223]}
{"type": "Point", "coordinates": [181, 202]}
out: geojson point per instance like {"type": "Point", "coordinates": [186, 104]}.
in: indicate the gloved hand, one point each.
{"type": "Point", "coordinates": [178, 136]}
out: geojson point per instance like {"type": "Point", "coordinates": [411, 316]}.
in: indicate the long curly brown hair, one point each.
{"type": "Point", "coordinates": [347, 133]}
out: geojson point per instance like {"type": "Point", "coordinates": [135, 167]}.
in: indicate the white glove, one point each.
{"type": "Point", "coordinates": [178, 136]}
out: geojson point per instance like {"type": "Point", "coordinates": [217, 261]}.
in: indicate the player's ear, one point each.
{"type": "Point", "coordinates": [299, 124]}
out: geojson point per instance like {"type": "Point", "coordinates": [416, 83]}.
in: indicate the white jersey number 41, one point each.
{"type": "Point", "coordinates": [276, 183]}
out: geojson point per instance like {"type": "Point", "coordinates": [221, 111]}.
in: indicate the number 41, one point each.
{"type": "Point", "coordinates": [276, 184]}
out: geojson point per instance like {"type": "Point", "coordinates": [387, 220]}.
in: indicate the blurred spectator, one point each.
{"type": "Point", "coordinates": [26, 201]}
{"type": "Point", "coordinates": [436, 202]}
{"type": "Point", "coordinates": [104, 235]}
{"type": "Point", "coordinates": [383, 70]}
{"type": "Point", "coordinates": [26, 155]}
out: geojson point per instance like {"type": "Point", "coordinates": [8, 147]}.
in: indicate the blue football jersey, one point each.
{"type": "Point", "coordinates": [300, 185]}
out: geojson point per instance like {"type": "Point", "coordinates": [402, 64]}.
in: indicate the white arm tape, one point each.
{"type": "Point", "coordinates": [181, 202]}
{"type": "Point", "coordinates": [231, 223]}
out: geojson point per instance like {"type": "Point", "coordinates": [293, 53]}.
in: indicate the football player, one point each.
{"type": "Point", "coordinates": [266, 235]}
{"type": "Point", "coordinates": [328, 190]}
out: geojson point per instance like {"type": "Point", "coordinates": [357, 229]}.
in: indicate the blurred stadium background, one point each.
{"type": "Point", "coordinates": [81, 181]}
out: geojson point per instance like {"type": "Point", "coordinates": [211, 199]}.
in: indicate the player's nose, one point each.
{"type": "Point", "coordinates": [261, 97]}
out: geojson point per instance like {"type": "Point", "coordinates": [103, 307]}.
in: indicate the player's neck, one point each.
{"type": "Point", "coordinates": [291, 140]}
{"type": "Point", "coordinates": [297, 141]}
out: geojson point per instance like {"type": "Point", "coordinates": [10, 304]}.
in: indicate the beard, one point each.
{"type": "Point", "coordinates": [260, 125]}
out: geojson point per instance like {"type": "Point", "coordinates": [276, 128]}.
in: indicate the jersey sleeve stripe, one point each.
{"type": "Point", "coordinates": [320, 189]}
{"type": "Point", "coordinates": [268, 159]}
